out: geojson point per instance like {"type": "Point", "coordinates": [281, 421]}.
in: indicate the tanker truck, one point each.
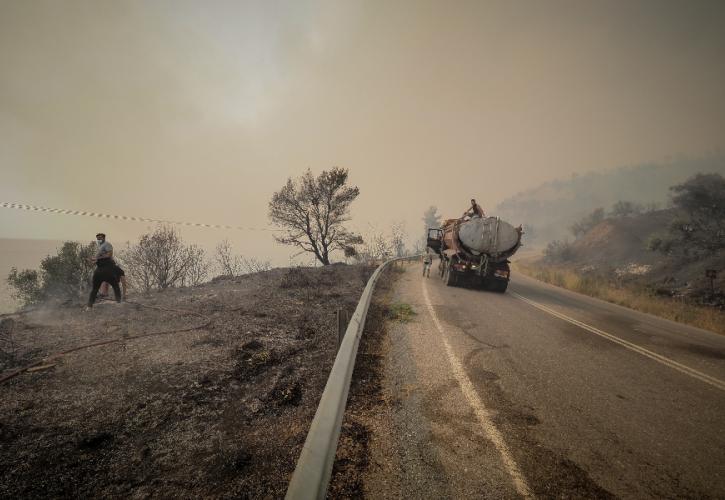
{"type": "Point", "coordinates": [475, 251]}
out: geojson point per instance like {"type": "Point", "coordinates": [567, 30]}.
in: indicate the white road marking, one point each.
{"type": "Point", "coordinates": [703, 377]}
{"type": "Point", "coordinates": [482, 413]}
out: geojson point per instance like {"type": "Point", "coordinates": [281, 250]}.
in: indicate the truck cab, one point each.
{"type": "Point", "coordinates": [434, 240]}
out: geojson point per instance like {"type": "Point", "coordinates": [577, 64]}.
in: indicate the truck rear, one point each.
{"type": "Point", "coordinates": [475, 251]}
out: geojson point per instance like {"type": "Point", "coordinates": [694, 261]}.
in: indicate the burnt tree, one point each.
{"type": "Point", "coordinates": [312, 212]}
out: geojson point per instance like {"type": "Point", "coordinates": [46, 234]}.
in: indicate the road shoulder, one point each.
{"type": "Point", "coordinates": [428, 440]}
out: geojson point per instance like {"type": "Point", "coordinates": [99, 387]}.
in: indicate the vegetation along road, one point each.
{"type": "Point", "coordinates": [541, 392]}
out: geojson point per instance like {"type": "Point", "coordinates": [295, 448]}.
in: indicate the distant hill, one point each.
{"type": "Point", "coordinates": [554, 206]}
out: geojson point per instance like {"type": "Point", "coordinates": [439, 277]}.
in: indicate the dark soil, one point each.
{"type": "Point", "coordinates": [217, 412]}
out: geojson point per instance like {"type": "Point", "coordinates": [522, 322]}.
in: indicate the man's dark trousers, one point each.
{"type": "Point", "coordinates": [104, 272]}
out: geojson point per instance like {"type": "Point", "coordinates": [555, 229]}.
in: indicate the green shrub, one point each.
{"type": "Point", "coordinates": [558, 251]}
{"type": "Point", "coordinates": [581, 227]}
{"type": "Point", "coordinates": [26, 285]}
{"type": "Point", "coordinates": [401, 312]}
{"type": "Point", "coordinates": [63, 276]}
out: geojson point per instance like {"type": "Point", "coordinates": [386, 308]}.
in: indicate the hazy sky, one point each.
{"type": "Point", "coordinates": [200, 110]}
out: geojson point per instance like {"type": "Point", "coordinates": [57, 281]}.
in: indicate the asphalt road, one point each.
{"type": "Point", "coordinates": [545, 393]}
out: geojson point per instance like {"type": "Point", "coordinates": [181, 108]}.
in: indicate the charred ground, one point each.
{"type": "Point", "coordinates": [221, 411]}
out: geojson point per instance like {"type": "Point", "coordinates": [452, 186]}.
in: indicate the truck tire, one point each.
{"type": "Point", "coordinates": [451, 276]}
{"type": "Point", "coordinates": [499, 286]}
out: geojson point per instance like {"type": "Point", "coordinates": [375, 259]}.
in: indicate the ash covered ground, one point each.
{"type": "Point", "coordinates": [221, 411]}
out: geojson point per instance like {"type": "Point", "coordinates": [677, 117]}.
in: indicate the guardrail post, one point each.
{"type": "Point", "coordinates": [341, 326]}
{"type": "Point", "coordinates": [343, 318]}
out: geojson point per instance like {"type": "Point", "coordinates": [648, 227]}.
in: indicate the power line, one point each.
{"type": "Point", "coordinates": [62, 211]}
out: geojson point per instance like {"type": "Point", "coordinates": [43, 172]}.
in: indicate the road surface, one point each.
{"type": "Point", "coordinates": [541, 392]}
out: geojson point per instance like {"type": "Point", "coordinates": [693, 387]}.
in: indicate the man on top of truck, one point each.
{"type": "Point", "coordinates": [475, 211]}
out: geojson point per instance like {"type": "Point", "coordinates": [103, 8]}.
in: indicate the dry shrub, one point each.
{"type": "Point", "coordinates": [287, 391]}
{"type": "Point", "coordinates": [160, 259]}
{"type": "Point", "coordinates": [230, 264]}
{"type": "Point", "coordinates": [252, 359]}
{"type": "Point", "coordinates": [295, 278]}
{"type": "Point", "coordinates": [365, 273]}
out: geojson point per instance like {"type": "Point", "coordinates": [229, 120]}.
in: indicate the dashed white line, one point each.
{"type": "Point", "coordinates": [703, 377]}
{"type": "Point", "coordinates": [482, 413]}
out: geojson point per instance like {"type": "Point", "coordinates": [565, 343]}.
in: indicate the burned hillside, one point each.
{"type": "Point", "coordinates": [215, 400]}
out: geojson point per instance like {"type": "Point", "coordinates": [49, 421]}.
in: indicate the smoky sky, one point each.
{"type": "Point", "coordinates": [198, 111]}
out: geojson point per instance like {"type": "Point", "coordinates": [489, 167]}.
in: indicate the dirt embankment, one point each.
{"type": "Point", "coordinates": [221, 411]}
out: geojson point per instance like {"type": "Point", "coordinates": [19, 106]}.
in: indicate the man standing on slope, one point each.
{"type": "Point", "coordinates": [104, 270]}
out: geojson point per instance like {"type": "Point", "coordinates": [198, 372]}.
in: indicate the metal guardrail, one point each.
{"type": "Point", "coordinates": [314, 467]}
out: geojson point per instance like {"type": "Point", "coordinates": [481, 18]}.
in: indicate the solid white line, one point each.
{"type": "Point", "coordinates": [703, 377]}
{"type": "Point", "coordinates": [482, 413]}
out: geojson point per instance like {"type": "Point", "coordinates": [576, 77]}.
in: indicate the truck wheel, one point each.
{"type": "Point", "coordinates": [500, 286]}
